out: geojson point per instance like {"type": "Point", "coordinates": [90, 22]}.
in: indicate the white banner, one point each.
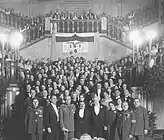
{"type": "Point", "coordinates": [104, 23]}
{"type": "Point", "coordinates": [75, 47]}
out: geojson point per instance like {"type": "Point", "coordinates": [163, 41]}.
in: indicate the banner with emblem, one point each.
{"type": "Point", "coordinates": [75, 47]}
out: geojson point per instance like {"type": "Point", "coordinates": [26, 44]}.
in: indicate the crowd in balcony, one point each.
{"type": "Point", "coordinates": [64, 96]}
{"type": "Point", "coordinates": [142, 16]}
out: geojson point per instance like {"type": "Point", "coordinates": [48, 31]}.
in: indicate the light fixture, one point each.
{"type": "Point", "coordinates": [135, 38]}
{"type": "Point", "coordinates": [151, 34]}
{"type": "Point", "coordinates": [15, 39]}
{"type": "Point", "coordinates": [3, 37]}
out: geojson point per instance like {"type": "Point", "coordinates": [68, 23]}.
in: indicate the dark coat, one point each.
{"type": "Point", "coordinates": [52, 122]}
{"type": "Point", "coordinates": [142, 123]}
{"type": "Point", "coordinates": [125, 125]}
{"type": "Point", "coordinates": [82, 125]}
{"type": "Point", "coordinates": [110, 122]}
{"type": "Point", "coordinates": [97, 122]}
{"type": "Point", "coordinates": [34, 120]}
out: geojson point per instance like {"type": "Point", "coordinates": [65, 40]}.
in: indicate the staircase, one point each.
{"type": "Point", "coordinates": [114, 32]}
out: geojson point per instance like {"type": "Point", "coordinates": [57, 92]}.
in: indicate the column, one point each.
{"type": "Point", "coordinates": [97, 45]}
{"type": "Point", "coordinates": [53, 47]}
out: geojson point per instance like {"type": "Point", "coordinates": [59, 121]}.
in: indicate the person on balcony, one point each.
{"type": "Point", "coordinates": [75, 16]}
{"type": "Point", "coordinates": [56, 15]}
{"type": "Point", "coordinates": [90, 15]}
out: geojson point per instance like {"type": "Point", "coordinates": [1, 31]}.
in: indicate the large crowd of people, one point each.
{"type": "Point", "coordinates": [70, 97]}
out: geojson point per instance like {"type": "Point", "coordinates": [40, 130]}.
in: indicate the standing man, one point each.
{"type": "Point", "coordinates": [67, 112]}
{"type": "Point", "coordinates": [52, 119]}
{"type": "Point", "coordinates": [34, 121]}
{"type": "Point", "coordinates": [97, 118]}
{"type": "Point", "coordinates": [110, 121]}
{"type": "Point", "coordinates": [142, 123]}
{"type": "Point", "coordinates": [82, 120]}
{"type": "Point", "coordinates": [125, 123]}
{"type": "Point", "coordinates": [28, 100]}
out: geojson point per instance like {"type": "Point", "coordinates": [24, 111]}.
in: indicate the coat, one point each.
{"type": "Point", "coordinates": [82, 125]}
{"type": "Point", "coordinates": [97, 122]}
{"type": "Point", "coordinates": [110, 122]}
{"type": "Point", "coordinates": [125, 124]}
{"type": "Point", "coordinates": [67, 116]}
{"type": "Point", "coordinates": [51, 121]}
{"type": "Point", "coordinates": [142, 123]}
{"type": "Point", "coordinates": [34, 120]}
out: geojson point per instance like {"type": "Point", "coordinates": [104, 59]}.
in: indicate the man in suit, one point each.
{"type": "Point", "coordinates": [99, 91]}
{"type": "Point", "coordinates": [28, 100]}
{"type": "Point", "coordinates": [125, 123]}
{"type": "Point", "coordinates": [67, 112]}
{"type": "Point", "coordinates": [97, 118]}
{"type": "Point", "coordinates": [82, 120]}
{"type": "Point", "coordinates": [34, 121]}
{"type": "Point", "coordinates": [128, 99]}
{"type": "Point", "coordinates": [52, 119]}
{"type": "Point", "coordinates": [142, 124]}
{"type": "Point", "coordinates": [110, 122]}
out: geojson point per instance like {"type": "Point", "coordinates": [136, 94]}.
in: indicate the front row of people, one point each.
{"type": "Point", "coordinates": [67, 121]}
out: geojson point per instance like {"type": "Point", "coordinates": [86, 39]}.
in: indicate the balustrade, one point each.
{"type": "Point", "coordinates": [146, 16]}
{"type": "Point", "coordinates": [33, 33]}
{"type": "Point", "coordinates": [114, 32]}
{"type": "Point", "coordinates": [11, 20]}
{"type": "Point", "coordinates": [78, 26]}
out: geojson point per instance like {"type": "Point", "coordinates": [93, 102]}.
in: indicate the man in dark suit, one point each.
{"type": "Point", "coordinates": [125, 123]}
{"type": "Point", "coordinates": [97, 118]}
{"type": "Point", "coordinates": [110, 122]}
{"type": "Point", "coordinates": [128, 99]}
{"type": "Point", "coordinates": [28, 100]}
{"type": "Point", "coordinates": [82, 120]}
{"type": "Point", "coordinates": [34, 121]}
{"type": "Point", "coordinates": [141, 117]}
{"type": "Point", "coordinates": [99, 90]}
{"type": "Point", "coordinates": [52, 119]}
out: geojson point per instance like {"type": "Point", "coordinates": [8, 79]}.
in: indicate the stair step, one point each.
{"type": "Point", "coordinates": [32, 42]}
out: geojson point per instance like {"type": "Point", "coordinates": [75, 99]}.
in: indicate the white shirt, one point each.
{"type": "Point", "coordinates": [81, 113]}
{"type": "Point", "coordinates": [99, 92]}
{"type": "Point", "coordinates": [56, 111]}
{"type": "Point", "coordinates": [97, 109]}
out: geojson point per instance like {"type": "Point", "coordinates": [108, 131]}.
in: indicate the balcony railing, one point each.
{"type": "Point", "coordinates": [78, 26]}
{"type": "Point", "coordinates": [12, 20]}
{"type": "Point", "coordinates": [33, 33]}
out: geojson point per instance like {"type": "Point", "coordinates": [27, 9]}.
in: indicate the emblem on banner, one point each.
{"type": "Point", "coordinates": [75, 47]}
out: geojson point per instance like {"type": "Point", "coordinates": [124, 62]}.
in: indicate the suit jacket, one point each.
{"type": "Point", "coordinates": [124, 125]}
{"type": "Point", "coordinates": [67, 116]}
{"type": "Point", "coordinates": [34, 120]}
{"type": "Point", "coordinates": [82, 125]}
{"type": "Point", "coordinates": [101, 93]}
{"type": "Point", "coordinates": [51, 119]}
{"type": "Point", "coordinates": [97, 122]}
{"type": "Point", "coordinates": [142, 123]}
{"type": "Point", "coordinates": [110, 122]}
